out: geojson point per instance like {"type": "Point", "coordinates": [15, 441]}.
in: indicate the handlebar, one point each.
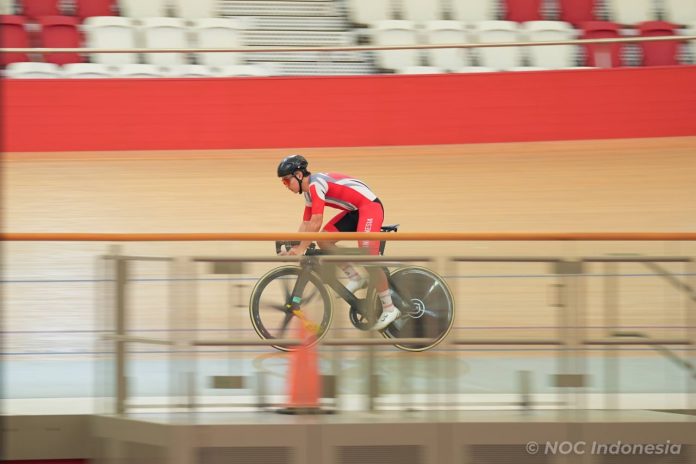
{"type": "Point", "coordinates": [279, 244]}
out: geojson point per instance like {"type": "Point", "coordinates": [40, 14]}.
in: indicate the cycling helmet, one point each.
{"type": "Point", "coordinates": [292, 163]}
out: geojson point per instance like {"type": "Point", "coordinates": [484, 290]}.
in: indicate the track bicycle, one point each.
{"type": "Point", "coordinates": [288, 292]}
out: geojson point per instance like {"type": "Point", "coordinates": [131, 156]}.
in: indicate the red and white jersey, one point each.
{"type": "Point", "coordinates": [336, 190]}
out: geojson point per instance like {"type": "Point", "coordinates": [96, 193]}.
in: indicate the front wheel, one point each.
{"type": "Point", "coordinates": [268, 306]}
{"type": "Point", "coordinates": [431, 307]}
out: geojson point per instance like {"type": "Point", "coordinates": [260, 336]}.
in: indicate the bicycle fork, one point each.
{"type": "Point", "coordinates": [294, 302]}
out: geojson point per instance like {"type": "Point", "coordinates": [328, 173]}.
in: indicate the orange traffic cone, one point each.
{"type": "Point", "coordinates": [303, 379]}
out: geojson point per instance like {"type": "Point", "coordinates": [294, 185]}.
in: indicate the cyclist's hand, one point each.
{"type": "Point", "coordinates": [291, 252]}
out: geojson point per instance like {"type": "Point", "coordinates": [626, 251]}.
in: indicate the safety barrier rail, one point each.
{"type": "Point", "coordinates": [356, 48]}
{"type": "Point", "coordinates": [401, 236]}
{"type": "Point", "coordinates": [570, 342]}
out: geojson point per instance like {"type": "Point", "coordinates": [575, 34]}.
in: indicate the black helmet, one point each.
{"type": "Point", "coordinates": [292, 163]}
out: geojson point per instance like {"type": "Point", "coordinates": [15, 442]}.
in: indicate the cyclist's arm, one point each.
{"type": "Point", "coordinates": [313, 225]}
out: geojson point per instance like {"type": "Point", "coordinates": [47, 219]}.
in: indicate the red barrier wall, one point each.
{"type": "Point", "coordinates": [145, 114]}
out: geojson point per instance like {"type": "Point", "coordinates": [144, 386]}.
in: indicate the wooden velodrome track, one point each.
{"type": "Point", "coordinates": [593, 186]}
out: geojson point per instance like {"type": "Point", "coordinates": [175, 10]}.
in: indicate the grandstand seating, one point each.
{"type": "Point", "coordinates": [368, 12]}
{"type": "Point", "coordinates": [679, 11]}
{"type": "Point", "coordinates": [602, 55]}
{"type": "Point", "coordinates": [164, 33]}
{"type": "Point", "coordinates": [577, 12]}
{"type": "Point", "coordinates": [13, 34]}
{"type": "Point", "coordinates": [138, 70]}
{"type": "Point", "coordinates": [86, 70]}
{"type": "Point", "coordinates": [217, 33]}
{"type": "Point", "coordinates": [443, 32]}
{"type": "Point", "coordinates": [475, 69]}
{"type": "Point", "coordinates": [60, 32]}
{"type": "Point", "coordinates": [143, 8]}
{"type": "Point", "coordinates": [631, 12]}
{"type": "Point", "coordinates": [500, 58]}
{"type": "Point", "coordinates": [422, 70]}
{"type": "Point", "coordinates": [280, 23]}
{"type": "Point", "coordinates": [419, 11]}
{"type": "Point", "coordinates": [30, 70]}
{"type": "Point", "coordinates": [252, 70]}
{"type": "Point", "coordinates": [111, 32]}
{"type": "Point", "coordinates": [195, 9]}
{"type": "Point", "coordinates": [190, 70]}
{"type": "Point", "coordinates": [663, 53]}
{"type": "Point", "coordinates": [551, 56]}
{"type": "Point", "coordinates": [34, 9]}
{"type": "Point", "coordinates": [396, 32]}
{"type": "Point", "coordinates": [523, 10]}
{"type": "Point", "coordinates": [7, 7]}
{"type": "Point", "coordinates": [88, 8]}
{"type": "Point", "coordinates": [472, 11]}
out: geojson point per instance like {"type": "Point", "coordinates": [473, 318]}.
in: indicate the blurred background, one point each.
{"type": "Point", "coordinates": [552, 342]}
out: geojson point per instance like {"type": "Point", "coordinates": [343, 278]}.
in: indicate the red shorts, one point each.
{"type": "Point", "coordinates": [368, 218]}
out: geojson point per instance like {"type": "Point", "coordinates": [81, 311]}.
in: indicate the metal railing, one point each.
{"type": "Point", "coordinates": [354, 48]}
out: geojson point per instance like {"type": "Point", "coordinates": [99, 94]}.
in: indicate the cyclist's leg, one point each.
{"type": "Point", "coordinates": [345, 221]}
{"type": "Point", "coordinates": [370, 218]}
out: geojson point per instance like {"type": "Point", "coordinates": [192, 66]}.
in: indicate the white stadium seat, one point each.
{"type": "Point", "coordinates": [195, 9]}
{"type": "Point", "coordinates": [369, 12]}
{"type": "Point", "coordinates": [86, 70]}
{"type": "Point", "coordinates": [190, 70]}
{"type": "Point", "coordinates": [111, 32]}
{"type": "Point", "coordinates": [245, 70]}
{"type": "Point", "coordinates": [500, 58]}
{"type": "Point", "coordinates": [447, 32]}
{"type": "Point", "coordinates": [218, 33]}
{"type": "Point", "coordinates": [631, 11]}
{"type": "Point", "coordinates": [679, 11]}
{"type": "Point", "coordinates": [474, 10]}
{"type": "Point", "coordinates": [474, 69]}
{"type": "Point", "coordinates": [396, 32]}
{"type": "Point", "coordinates": [30, 70]}
{"type": "Point", "coordinates": [165, 33]}
{"type": "Point", "coordinates": [138, 70]}
{"type": "Point", "coordinates": [421, 11]}
{"type": "Point", "coordinates": [143, 8]}
{"type": "Point", "coordinates": [422, 70]}
{"type": "Point", "coordinates": [691, 30]}
{"type": "Point", "coordinates": [6, 7]}
{"type": "Point", "coordinates": [551, 56]}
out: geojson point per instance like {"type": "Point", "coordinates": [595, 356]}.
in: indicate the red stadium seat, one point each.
{"type": "Point", "coordinates": [523, 10]}
{"type": "Point", "coordinates": [88, 8]}
{"type": "Point", "coordinates": [659, 53]}
{"type": "Point", "coordinates": [602, 55]}
{"type": "Point", "coordinates": [60, 32]}
{"type": "Point", "coordinates": [13, 35]}
{"type": "Point", "coordinates": [577, 12]}
{"type": "Point", "coordinates": [34, 9]}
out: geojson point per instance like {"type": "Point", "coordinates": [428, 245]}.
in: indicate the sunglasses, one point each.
{"type": "Point", "coordinates": [286, 180]}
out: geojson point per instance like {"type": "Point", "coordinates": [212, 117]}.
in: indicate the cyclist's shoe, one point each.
{"type": "Point", "coordinates": [385, 319]}
{"type": "Point", "coordinates": [355, 285]}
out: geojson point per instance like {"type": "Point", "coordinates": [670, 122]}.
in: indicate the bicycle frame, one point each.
{"type": "Point", "coordinates": [311, 263]}
{"type": "Point", "coordinates": [416, 291]}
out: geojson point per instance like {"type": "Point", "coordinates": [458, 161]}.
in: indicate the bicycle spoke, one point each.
{"type": "Point", "coordinates": [286, 289]}
{"type": "Point", "coordinates": [428, 292]}
{"type": "Point", "coordinates": [280, 308]}
{"type": "Point", "coordinates": [284, 326]}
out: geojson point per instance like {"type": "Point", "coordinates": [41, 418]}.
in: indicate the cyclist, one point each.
{"type": "Point", "coordinates": [361, 211]}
